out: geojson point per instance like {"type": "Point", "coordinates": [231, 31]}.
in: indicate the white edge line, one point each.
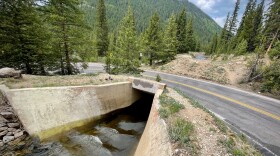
{"type": "Point", "coordinates": [253, 140]}
{"type": "Point", "coordinates": [198, 80]}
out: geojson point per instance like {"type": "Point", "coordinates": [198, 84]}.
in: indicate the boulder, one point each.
{"type": "Point", "coordinates": [2, 120]}
{"type": "Point", "coordinates": [7, 115]}
{"type": "Point", "coordinates": [3, 128]}
{"type": "Point", "coordinates": [13, 125]}
{"type": "Point", "coordinates": [9, 134]}
{"type": "Point", "coordinates": [2, 124]}
{"type": "Point", "coordinates": [19, 134]}
{"type": "Point", "coordinates": [3, 133]}
{"type": "Point", "coordinates": [12, 129]}
{"type": "Point", "coordinates": [10, 72]}
{"type": "Point", "coordinates": [7, 139]}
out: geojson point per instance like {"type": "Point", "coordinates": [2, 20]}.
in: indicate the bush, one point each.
{"type": "Point", "coordinates": [169, 106]}
{"type": "Point", "coordinates": [271, 79]}
{"type": "Point", "coordinates": [158, 78]}
{"type": "Point", "coordinates": [180, 131]}
{"type": "Point", "coordinates": [241, 48]}
{"type": "Point", "coordinates": [275, 52]}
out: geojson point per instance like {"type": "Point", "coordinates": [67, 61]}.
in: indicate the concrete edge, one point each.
{"type": "Point", "coordinates": [155, 139]}
{"type": "Point", "coordinates": [5, 88]}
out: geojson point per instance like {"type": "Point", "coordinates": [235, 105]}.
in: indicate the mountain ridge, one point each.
{"type": "Point", "coordinates": [204, 26]}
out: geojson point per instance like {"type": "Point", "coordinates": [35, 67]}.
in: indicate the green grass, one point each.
{"type": "Point", "coordinates": [180, 131]}
{"type": "Point", "coordinates": [218, 122]}
{"type": "Point", "coordinates": [169, 106]}
{"type": "Point", "coordinates": [238, 146]}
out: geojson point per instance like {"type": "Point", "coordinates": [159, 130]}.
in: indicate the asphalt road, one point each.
{"type": "Point", "coordinates": [254, 115]}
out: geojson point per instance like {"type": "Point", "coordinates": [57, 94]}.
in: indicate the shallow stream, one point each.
{"type": "Point", "coordinates": [117, 134]}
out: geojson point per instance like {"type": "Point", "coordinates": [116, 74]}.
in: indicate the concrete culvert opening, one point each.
{"type": "Point", "coordinates": [116, 133]}
{"type": "Point", "coordinates": [111, 119]}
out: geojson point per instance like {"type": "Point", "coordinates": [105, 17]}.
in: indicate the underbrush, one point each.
{"type": "Point", "coordinates": [169, 106]}
{"type": "Point", "coordinates": [236, 145]}
{"type": "Point", "coordinates": [180, 131]}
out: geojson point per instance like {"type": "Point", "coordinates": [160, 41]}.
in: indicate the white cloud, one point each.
{"type": "Point", "coordinates": [205, 5]}
{"type": "Point", "coordinates": [220, 20]}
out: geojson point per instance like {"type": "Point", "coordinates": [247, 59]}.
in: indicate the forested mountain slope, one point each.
{"type": "Point", "coordinates": [204, 26]}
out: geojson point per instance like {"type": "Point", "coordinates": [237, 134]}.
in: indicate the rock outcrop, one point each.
{"type": "Point", "coordinates": [10, 72]}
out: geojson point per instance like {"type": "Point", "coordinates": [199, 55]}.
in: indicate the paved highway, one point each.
{"type": "Point", "coordinates": [254, 115]}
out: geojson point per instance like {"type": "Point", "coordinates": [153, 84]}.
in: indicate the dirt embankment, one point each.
{"type": "Point", "coordinates": [210, 136]}
{"type": "Point", "coordinates": [222, 69]}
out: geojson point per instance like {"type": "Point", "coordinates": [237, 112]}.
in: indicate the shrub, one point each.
{"type": "Point", "coordinates": [169, 106]}
{"type": "Point", "coordinates": [241, 48]}
{"type": "Point", "coordinates": [271, 78]}
{"type": "Point", "coordinates": [158, 78]}
{"type": "Point", "coordinates": [180, 131]}
{"type": "Point", "coordinates": [275, 52]}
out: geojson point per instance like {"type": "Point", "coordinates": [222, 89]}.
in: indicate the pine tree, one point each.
{"type": "Point", "coordinates": [181, 31]}
{"type": "Point", "coordinates": [248, 26]}
{"type": "Point", "coordinates": [233, 20]}
{"type": "Point", "coordinates": [68, 28]}
{"type": "Point", "coordinates": [222, 42]}
{"type": "Point", "coordinates": [190, 39]}
{"type": "Point", "coordinates": [275, 51]}
{"type": "Point", "coordinates": [241, 48]}
{"type": "Point", "coordinates": [102, 40]}
{"type": "Point", "coordinates": [248, 8]}
{"type": "Point", "coordinates": [22, 36]}
{"type": "Point", "coordinates": [255, 37]}
{"type": "Point", "coordinates": [213, 45]}
{"type": "Point", "coordinates": [125, 57]}
{"type": "Point", "coordinates": [197, 48]}
{"type": "Point", "coordinates": [109, 54]}
{"type": "Point", "coordinates": [272, 29]}
{"type": "Point", "coordinates": [154, 39]}
{"type": "Point", "coordinates": [170, 39]}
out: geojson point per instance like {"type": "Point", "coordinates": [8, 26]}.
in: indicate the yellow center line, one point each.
{"type": "Point", "coordinates": [225, 98]}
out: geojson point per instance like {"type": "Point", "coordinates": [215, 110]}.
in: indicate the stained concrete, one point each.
{"type": "Point", "coordinates": [146, 85]}
{"type": "Point", "coordinates": [154, 140]}
{"type": "Point", "coordinates": [48, 111]}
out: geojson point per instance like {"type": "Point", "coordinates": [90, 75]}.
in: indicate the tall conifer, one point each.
{"type": "Point", "coordinates": [181, 31]}
{"type": "Point", "coordinates": [102, 39]}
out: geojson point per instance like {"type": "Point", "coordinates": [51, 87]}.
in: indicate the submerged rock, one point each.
{"type": "Point", "coordinates": [128, 126]}
{"type": "Point", "coordinates": [88, 145]}
{"type": "Point", "coordinates": [122, 142]}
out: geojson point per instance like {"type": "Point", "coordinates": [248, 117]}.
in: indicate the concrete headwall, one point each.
{"type": "Point", "coordinates": [154, 140]}
{"type": "Point", "coordinates": [48, 111]}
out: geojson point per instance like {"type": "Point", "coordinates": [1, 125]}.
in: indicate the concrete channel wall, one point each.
{"type": "Point", "coordinates": [48, 111]}
{"type": "Point", "coordinates": [154, 140]}
{"type": "Point", "coordinates": [45, 112]}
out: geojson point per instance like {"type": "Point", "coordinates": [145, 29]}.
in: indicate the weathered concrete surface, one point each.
{"type": "Point", "coordinates": [146, 85]}
{"type": "Point", "coordinates": [48, 111]}
{"type": "Point", "coordinates": [154, 140]}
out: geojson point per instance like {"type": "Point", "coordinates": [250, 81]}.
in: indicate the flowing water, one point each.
{"type": "Point", "coordinates": [117, 134]}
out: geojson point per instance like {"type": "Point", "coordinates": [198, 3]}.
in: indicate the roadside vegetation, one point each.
{"type": "Point", "coordinates": [235, 144]}
{"type": "Point", "coordinates": [180, 131]}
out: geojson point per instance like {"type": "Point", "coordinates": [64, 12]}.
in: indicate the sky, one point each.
{"type": "Point", "coordinates": [218, 9]}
